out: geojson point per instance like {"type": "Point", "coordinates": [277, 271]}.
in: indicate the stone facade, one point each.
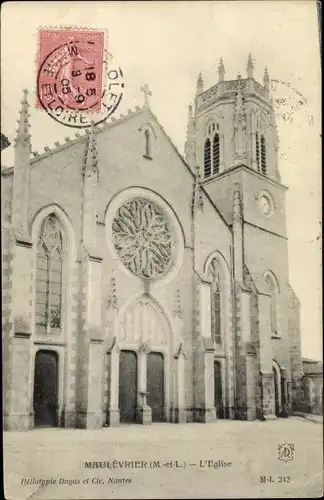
{"type": "Point", "coordinates": [131, 304]}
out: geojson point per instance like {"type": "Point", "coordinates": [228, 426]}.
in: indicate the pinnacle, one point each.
{"type": "Point", "coordinates": [200, 84]}
{"type": "Point", "coordinates": [91, 161]}
{"type": "Point", "coordinates": [189, 113]}
{"type": "Point", "coordinates": [23, 136]}
{"type": "Point", "coordinates": [237, 207]}
{"type": "Point", "coordinates": [266, 74]}
{"type": "Point", "coordinates": [221, 70]}
{"type": "Point", "coordinates": [199, 79]}
{"type": "Point", "coordinates": [250, 66]}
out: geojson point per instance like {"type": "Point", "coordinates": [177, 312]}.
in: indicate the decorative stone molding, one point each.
{"type": "Point", "coordinates": [197, 199]}
{"type": "Point", "coordinates": [177, 310]}
{"type": "Point", "coordinates": [112, 300]}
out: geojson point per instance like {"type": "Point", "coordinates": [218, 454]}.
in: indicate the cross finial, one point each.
{"type": "Point", "coordinates": [147, 93]}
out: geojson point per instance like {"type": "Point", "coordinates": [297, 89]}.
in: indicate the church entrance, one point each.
{"type": "Point", "coordinates": [46, 389]}
{"type": "Point", "coordinates": [218, 387]}
{"type": "Point", "coordinates": [155, 385]}
{"type": "Point", "coordinates": [127, 386]}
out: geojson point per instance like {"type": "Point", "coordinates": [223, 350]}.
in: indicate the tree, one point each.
{"type": "Point", "coordinates": [5, 143]}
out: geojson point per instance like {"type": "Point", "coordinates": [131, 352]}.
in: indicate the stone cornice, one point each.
{"type": "Point", "coordinates": [244, 168]}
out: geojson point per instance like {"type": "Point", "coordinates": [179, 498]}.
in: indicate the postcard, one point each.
{"type": "Point", "coordinates": [161, 250]}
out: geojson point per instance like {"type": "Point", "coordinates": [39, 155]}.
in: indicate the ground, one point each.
{"type": "Point", "coordinates": [164, 453]}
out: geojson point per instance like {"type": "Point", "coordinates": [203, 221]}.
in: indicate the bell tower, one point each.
{"type": "Point", "coordinates": [232, 138]}
{"type": "Point", "coordinates": [232, 142]}
{"type": "Point", "coordinates": [234, 124]}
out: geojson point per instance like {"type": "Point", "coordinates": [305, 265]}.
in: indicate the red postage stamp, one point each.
{"type": "Point", "coordinates": [70, 72]}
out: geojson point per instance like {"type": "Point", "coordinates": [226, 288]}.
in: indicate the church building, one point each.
{"type": "Point", "coordinates": [141, 286]}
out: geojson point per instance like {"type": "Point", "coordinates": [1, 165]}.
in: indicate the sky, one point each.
{"type": "Point", "coordinates": [166, 45]}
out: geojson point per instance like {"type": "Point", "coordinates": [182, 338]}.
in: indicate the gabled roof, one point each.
{"type": "Point", "coordinates": [78, 138]}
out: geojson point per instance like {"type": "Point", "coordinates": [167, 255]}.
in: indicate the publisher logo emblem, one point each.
{"type": "Point", "coordinates": [286, 452]}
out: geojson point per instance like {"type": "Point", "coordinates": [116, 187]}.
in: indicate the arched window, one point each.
{"type": "Point", "coordinates": [257, 150]}
{"type": "Point", "coordinates": [147, 143]}
{"type": "Point", "coordinates": [49, 263]}
{"type": "Point", "coordinates": [216, 154]}
{"type": "Point", "coordinates": [263, 156]}
{"type": "Point", "coordinates": [274, 292]}
{"type": "Point", "coordinates": [216, 320]}
{"type": "Point", "coordinates": [207, 159]}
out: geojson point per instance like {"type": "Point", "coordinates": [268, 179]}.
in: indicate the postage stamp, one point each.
{"type": "Point", "coordinates": [74, 82]}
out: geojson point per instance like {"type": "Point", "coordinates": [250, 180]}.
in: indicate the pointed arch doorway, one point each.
{"type": "Point", "coordinates": [45, 399]}
{"type": "Point", "coordinates": [145, 330]}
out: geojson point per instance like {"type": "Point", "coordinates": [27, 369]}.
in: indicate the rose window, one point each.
{"type": "Point", "coordinates": [143, 238]}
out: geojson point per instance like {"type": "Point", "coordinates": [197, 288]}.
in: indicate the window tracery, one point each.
{"type": "Point", "coordinates": [143, 238]}
{"type": "Point", "coordinates": [216, 312]}
{"type": "Point", "coordinates": [49, 265]}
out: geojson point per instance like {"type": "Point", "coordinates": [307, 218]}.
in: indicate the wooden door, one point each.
{"type": "Point", "coordinates": [46, 389]}
{"type": "Point", "coordinates": [276, 392]}
{"type": "Point", "coordinates": [127, 386]}
{"type": "Point", "coordinates": [155, 385]}
{"type": "Point", "coordinates": [218, 387]}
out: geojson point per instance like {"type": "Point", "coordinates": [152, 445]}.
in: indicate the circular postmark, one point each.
{"type": "Point", "coordinates": [288, 101]}
{"type": "Point", "coordinates": [76, 87]}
